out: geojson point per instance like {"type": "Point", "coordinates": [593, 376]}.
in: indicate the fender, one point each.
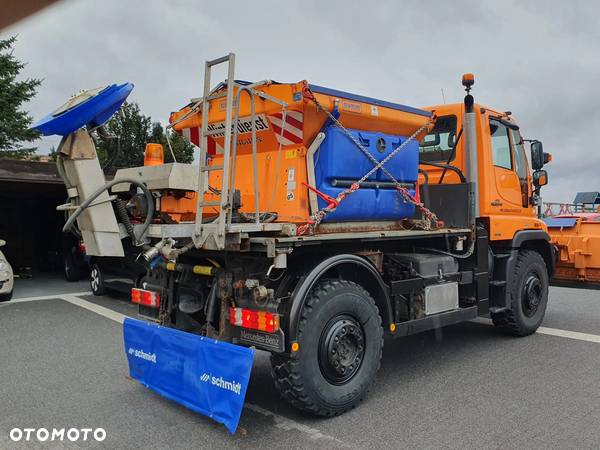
{"type": "Point", "coordinates": [370, 279]}
{"type": "Point", "coordinates": [537, 240]}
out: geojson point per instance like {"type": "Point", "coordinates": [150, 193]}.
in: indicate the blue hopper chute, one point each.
{"type": "Point", "coordinates": [91, 107]}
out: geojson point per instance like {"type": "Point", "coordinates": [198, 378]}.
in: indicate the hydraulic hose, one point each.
{"type": "Point", "coordinates": [121, 211]}
{"type": "Point", "coordinates": [96, 194]}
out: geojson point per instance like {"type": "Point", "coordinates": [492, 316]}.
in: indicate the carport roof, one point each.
{"type": "Point", "coordinates": [15, 170]}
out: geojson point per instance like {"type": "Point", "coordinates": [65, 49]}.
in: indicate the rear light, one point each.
{"type": "Point", "coordinates": [81, 247]}
{"type": "Point", "coordinates": [255, 320]}
{"type": "Point", "coordinates": [145, 298]}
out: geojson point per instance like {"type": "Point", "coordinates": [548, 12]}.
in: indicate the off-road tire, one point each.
{"type": "Point", "coordinates": [305, 379]}
{"type": "Point", "coordinates": [97, 280]}
{"type": "Point", "coordinates": [530, 274]}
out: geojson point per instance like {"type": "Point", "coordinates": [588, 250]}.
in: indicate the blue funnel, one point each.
{"type": "Point", "coordinates": [91, 107]}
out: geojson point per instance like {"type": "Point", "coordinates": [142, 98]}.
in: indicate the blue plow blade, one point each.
{"type": "Point", "coordinates": [202, 374]}
{"type": "Point", "coordinates": [93, 111]}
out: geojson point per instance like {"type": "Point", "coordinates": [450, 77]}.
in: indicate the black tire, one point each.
{"type": "Point", "coordinates": [528, 292]}
{"type": "Point", "coordinates": [310, 380]}
{"type": "Point", "coordinates": [6, 297]}
{"type": "Point", "coordinates": [71, 267]}
{"type": "Point", "coordinates": [97, 280]}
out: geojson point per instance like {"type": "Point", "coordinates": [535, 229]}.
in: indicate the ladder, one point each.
{"type": "Point", "coordinates": [216, 229]}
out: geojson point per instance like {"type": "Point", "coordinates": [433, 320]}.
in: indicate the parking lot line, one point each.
{"type": "Point", "coordinates": [586, 337]}
{"type": "Point", "coordinates": [569, 334]}
{"type": "Point", "coordinates": [45, 297]}
{"type": "Point", "coordinates": [101, 310]}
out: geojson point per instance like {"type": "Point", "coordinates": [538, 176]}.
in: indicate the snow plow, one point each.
{"type": "Point", "coordinates": [575, 232]}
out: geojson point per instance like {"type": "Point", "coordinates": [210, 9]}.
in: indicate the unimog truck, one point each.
{"type": "Point", "coordinates": [317, 221]}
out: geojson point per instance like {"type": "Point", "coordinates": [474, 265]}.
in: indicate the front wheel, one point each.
{"type": "Point", "coordinates": [528, 292]}
{"type": "Point", "coordinates": [341, 341]}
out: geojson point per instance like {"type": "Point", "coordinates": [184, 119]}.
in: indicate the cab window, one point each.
{"type": "Point", "coordinates": [500, 145]}
{"type": "Point", "coordinates": [520, 164]}
{"type": "Point", "coordinates": [437, 145]}
{"type": "Point", "coordinates": [520, 158]}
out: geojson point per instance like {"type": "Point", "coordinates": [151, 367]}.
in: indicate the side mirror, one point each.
{"type": "Point", "coordinates": [2, 242]}
{"type": "Point", "coordinates": [540, 178]}
{"type": "Point", "coordinates": [537, 155]}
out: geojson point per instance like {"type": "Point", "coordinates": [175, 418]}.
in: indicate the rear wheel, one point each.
{"type": "Point", "coordinates": [529, 296]}
{"type": "Point", "coordinates": [97, 280]}
{"type": "Point", "coordinates": [341, 341]}
{"type": "Point", "coordinates": [72, 267]}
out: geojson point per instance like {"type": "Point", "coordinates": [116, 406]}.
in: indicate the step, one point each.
{"type": "Point", "coordinates": [210, 168]}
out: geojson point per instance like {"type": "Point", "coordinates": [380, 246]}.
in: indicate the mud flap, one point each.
{"type": "Point", "coordinates": [202, 374]}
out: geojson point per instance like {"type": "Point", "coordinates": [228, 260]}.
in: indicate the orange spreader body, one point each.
{"type": "Point", "coordinates": [282, 146]}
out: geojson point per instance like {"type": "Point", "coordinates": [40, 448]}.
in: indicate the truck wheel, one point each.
{"type": "Point", "coordinates": [529, 296]}
{"type": "Point", "coordinates": [71, 267]}
{"type": "Point", "coordinates": [341, 341]}
{"type": "Point", "coordinates": [97, 281]}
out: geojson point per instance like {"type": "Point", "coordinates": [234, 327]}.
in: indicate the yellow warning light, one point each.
{"type": "Point", "coordinates": [392, 327]}
{"type": "Point", "coordinates": [295, 347]}
{"type": "Point", "coordinates": [468, 80]}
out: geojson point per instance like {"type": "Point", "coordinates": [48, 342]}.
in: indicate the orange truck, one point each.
{"type": "Point", "coordinates": [575, 232]}
{"type": "Point", "coordinates": [319, 221]}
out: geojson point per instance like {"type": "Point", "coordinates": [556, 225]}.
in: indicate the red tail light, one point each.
{"type": "Point", "coordinates": [145, 298]}
{"type": "Point", "coordinates": [256, 320]}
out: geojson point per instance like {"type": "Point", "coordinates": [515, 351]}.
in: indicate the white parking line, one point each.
{"type": "Point", "coordinates": [45, 297]}
{"type": "Point", "coordinates": [101, 310]}
{"type": "Point", "coordinates": [586, 337]}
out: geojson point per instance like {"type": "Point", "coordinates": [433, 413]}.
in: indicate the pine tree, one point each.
{"type": "Point", "coordinates": [14, 122]}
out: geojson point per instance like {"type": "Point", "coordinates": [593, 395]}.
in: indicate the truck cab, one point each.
{"type": "Point", "coordinates": [506, 191]}
{"type": "Point", "coordinates": [505, 194]}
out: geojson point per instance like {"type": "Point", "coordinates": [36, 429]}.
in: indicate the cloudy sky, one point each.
{"type": "Point", "coordinates": [538, 59]}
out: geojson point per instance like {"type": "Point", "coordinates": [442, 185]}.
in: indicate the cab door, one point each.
{"type": "Point", "coordinates": [505, 164]}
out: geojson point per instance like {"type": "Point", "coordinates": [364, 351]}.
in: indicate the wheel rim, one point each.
{"type": "Point", "coordinates": [95, 279]}
{"type": "Point", "coordinates": [531, 297]}
{"type": "Point", "coordinates": [341, 349]}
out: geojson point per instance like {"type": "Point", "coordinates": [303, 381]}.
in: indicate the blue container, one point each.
{"type": "Point", "coordinates": [339, 162]}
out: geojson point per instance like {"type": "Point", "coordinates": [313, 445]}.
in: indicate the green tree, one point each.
{"type": "Point", "coordinates": [126, 136]}
{"type": "Point", "coordinates": [14, 122]}
{"type": "Point", "coordinates": [182, 149]}
{"type": "Point", "coordinates": [122, 142]}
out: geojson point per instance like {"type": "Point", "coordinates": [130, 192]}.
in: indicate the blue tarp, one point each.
{"type": "Point", "coordinates": [205, 375]}
{"type": "Point", "coordinates": [560, 222]}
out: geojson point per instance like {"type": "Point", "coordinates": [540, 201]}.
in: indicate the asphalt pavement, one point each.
{"type": "Point", "coordinates": [465, 386]}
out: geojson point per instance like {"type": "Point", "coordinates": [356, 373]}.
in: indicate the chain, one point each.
{"type": "Point", "coordinates": [316, 218]}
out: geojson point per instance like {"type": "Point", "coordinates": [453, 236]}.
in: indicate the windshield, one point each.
{"type": "Point", "coordinates": [437, 145]}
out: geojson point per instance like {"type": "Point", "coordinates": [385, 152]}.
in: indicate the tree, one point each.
{"type": "Point", "coordinates": [14, 122]}
{"type": "Point", "coordinates": [182, 149]}
{"type": "Point", "coordinates": [126, 136]}
{"type": "Point", "coordinates": [122, 142]}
